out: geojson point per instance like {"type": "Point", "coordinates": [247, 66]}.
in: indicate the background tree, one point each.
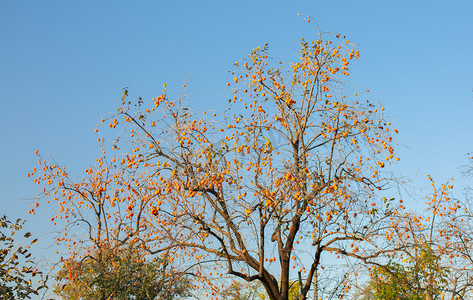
{"type": "Point", "coordinates": [417, 279]}
{"type": "Point", "coordinates": [255, 291]}
{"type": "Point", "coordinates": [239, 291]}
{"type": "Point", "coordinates": [17, 267]}
{"type": "Point", "coordinates": [120, 275]}
{"type": "Point", "coordinates": [291, 175]}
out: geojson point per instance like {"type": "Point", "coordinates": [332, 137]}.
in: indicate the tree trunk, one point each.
{"type": "Point", "coordinates": [314, 280]}
{"type": "Point", "coordinates": [428, 295]}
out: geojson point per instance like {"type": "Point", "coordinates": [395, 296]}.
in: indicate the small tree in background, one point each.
{"type": "Point", "coordinates": [419, 278]}
{"type": "Point", "coordinates": [122, 274]}
{"type": "Point", "coordinates": [255, 291]}
{"type": "Point", "coordinates": [239, 291]}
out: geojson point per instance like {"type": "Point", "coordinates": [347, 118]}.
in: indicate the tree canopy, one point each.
{"type": "Point", "coordinates": [295, 171]}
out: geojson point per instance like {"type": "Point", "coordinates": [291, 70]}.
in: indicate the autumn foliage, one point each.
{"type": "Point", "coordinates": [292, 173]}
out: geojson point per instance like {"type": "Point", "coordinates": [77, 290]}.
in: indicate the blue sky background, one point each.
{"type": "Point", "coordinates": [63, 65]}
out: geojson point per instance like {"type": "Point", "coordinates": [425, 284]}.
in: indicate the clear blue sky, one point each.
{"type": "Point", "coordinates": [63, 64]}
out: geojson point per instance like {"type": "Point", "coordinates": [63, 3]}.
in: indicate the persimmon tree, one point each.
{"type": "Point", "coordinates": [291, 172]}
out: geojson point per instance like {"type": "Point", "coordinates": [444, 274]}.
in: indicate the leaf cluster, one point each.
{"type": "Point", "coordinates": [17, 267]}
